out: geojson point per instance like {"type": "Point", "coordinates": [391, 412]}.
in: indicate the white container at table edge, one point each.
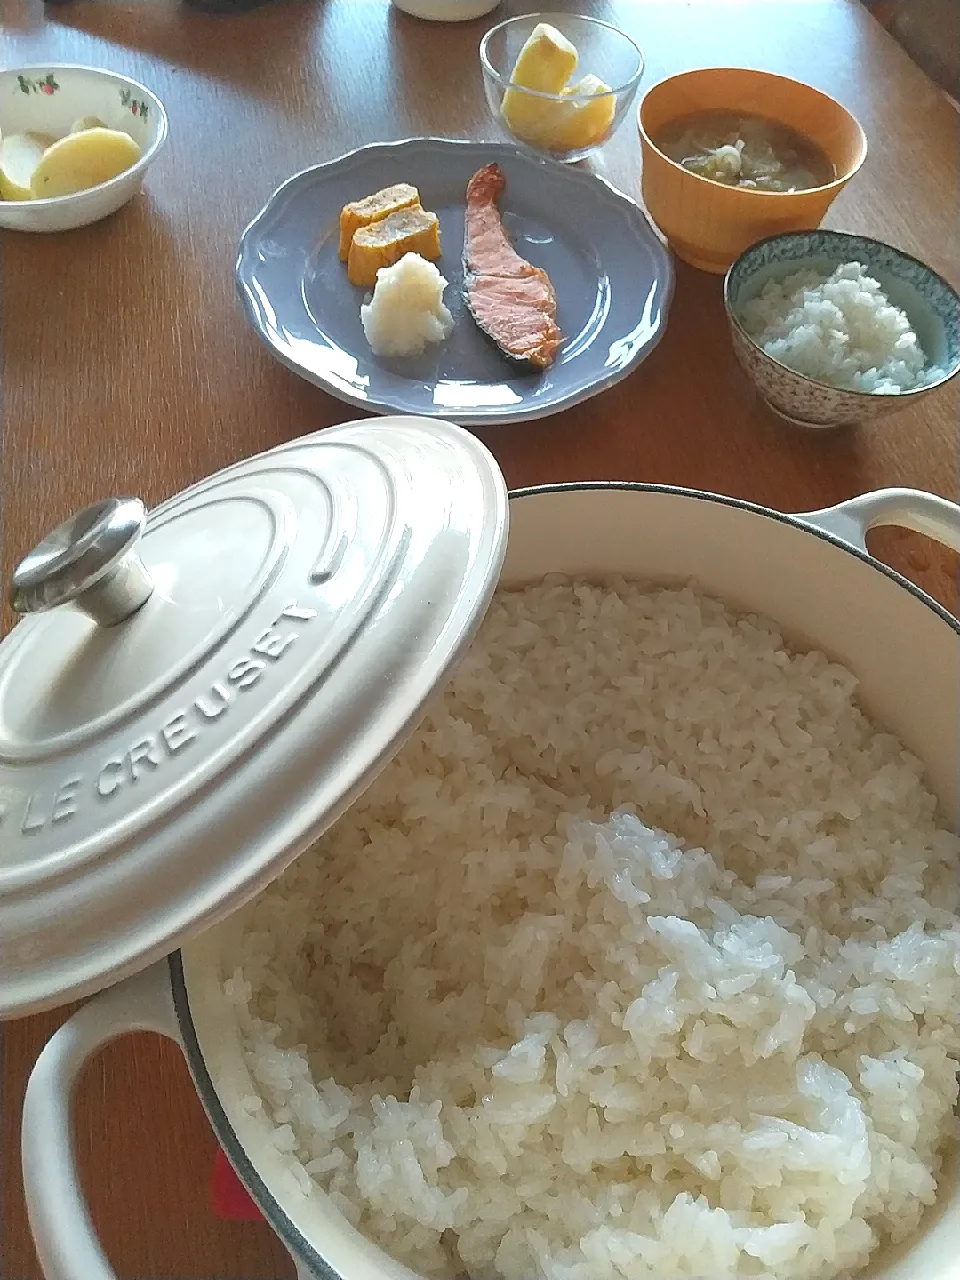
{"type": "Point", "coordinates": [446, 10]}
{"type": "Point", "coordinates": [271, 538]}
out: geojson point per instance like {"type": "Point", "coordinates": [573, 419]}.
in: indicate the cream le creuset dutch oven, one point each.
{"type": "Point", "coordinates": [269, 642]}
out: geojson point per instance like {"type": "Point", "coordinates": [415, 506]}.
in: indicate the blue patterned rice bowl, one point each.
{"type": "Point", "coordinates": [931, 305]}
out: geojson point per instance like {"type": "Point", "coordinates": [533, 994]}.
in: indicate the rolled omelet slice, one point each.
{"type": "Point", "coordinates": [383, 243]}
{"type": "Point", "coordinates": [83, 160]}
{"type": "Point", "coordinates": [361, 213]}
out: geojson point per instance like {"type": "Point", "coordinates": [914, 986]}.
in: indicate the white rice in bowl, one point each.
{"type": "Point", "coordinates": [515, 1029]}
{"type": "Point", "coordinates": [839, 328]}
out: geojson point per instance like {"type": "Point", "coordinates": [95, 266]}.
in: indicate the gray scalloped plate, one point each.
{"type": "Point", "coordinates": [613, 279]}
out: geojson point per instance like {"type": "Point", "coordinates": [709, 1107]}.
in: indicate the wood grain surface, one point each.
{"type": "Point", "coordinates": [127, 367]}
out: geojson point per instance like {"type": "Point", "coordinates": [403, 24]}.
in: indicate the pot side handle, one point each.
{"type": "Point", "coordinates": [909, 508]}
{"type": "Point", "coordinates": [64, 1235]}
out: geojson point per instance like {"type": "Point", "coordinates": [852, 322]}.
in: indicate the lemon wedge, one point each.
{"type": "Point", "coordinates": [545, 64]}
{"type": "Point", "coordinates": [82, 160]}
{"type": "Point", "coordinates": [20, 153]}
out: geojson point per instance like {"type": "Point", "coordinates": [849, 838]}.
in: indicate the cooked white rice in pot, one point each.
{"type": "Point", "coordinates": [516, 1029]}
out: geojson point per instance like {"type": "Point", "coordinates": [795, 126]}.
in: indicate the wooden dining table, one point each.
{"type": "Point", "coordinates": [127, 367]}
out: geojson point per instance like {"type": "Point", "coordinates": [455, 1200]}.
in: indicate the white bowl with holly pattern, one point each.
{"type": "Point", "coordinates": [48, 99]}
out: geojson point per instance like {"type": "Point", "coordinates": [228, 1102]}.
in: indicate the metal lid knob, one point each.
{"type": "Point", "coordinates": [91, 561]}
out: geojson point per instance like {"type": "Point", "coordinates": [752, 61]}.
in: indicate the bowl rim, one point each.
{"type": "Point", "coordinates": [839, 237]}
{"type": "Point", "coordinates": [141, 165]}
{"type": "Point", "coordinates": [489, 69]}
{"type": "Point", "coordinates": [835, 185]}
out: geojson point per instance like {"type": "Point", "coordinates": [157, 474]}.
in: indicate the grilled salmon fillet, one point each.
{"type": "Point", "coordinates": [511, 300]}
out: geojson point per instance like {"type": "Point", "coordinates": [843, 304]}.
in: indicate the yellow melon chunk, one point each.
{"type": "Point", "coordinates": [587, 121]}
{"type": "Point", "coordinates": [545, 64]}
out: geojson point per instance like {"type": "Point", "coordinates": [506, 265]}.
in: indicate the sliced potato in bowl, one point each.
{"type": "Point", "coordinates": [87, 122]}
{"type": "Point", "coordinates": [82, 160]}
{"type": "Point", "coordinates": [20, 153]}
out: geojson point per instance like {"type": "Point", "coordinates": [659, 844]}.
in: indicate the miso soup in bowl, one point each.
{"type": "Point", "coordinates": [732, 156]}
{"type": "Point", "coordinates": [746, 151]}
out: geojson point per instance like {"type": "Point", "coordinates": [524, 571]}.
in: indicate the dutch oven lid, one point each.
{"type": "Point", "coordinates": [193, 696]}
